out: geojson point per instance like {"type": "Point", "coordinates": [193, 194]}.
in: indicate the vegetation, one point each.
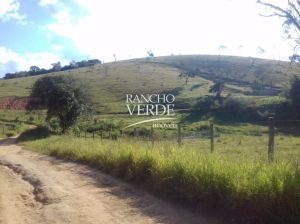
{"type": "Point", "coordinates": [290, 15]}
{"type": "Point", "coordinates": [15, 122]}
{"type": "Point", "coordinates": [235, 177]}
{"type": "Point", "coordinates": [295, 95]}
{"type": "Point", "coordinates": [242, 77]}
{"type": "Point", "coordinates": [62, 97]}
{"type": "Point", "coordinates": [34, 70]}
{"type": "Point", "coordinates": [217, 88]}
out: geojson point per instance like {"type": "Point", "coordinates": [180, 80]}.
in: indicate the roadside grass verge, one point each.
{"type": "Point", "coordinates": [261, 191]}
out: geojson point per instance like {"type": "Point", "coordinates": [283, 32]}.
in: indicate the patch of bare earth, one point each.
{"type": "Point", "coordinates": [36, 188]}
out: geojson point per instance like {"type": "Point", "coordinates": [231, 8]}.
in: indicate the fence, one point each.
{"type": "Point", "coordinates": [209, 134]}
{"type": "Point", "coordinates": [7, 129]}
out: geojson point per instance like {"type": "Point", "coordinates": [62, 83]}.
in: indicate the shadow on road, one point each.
{"type": "Point", "coordinates": [8, 141]}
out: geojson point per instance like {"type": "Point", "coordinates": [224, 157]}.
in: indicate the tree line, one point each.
{"type": "Point", "coordinates": [35, 70]}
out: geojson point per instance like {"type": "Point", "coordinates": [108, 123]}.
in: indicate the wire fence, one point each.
{"type": "Point", "coordinates": [212, 135]}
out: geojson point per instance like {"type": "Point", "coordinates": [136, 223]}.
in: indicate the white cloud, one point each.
{"type": "Point", "coordinates": [62, 24]}
{"type": "Point", "coordinates": [58, 47]}
{"type": "Point", "coordinates": [9, 10]}
{"type": "Point", "coordinates": [169, 26]}
{"type": "Point", "coordinates": [47, 2]}
{"type": "Point", "coordinates": [11, 61]}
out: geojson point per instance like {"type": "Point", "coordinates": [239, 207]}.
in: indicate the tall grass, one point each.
{"type": "Point", "coordinates": [266, 192]}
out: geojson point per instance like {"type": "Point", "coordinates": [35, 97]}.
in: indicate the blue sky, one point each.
{"type": "Point", "coordinates": [40, 32]}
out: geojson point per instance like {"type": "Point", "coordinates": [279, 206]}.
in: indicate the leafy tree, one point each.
{"type": "Point", "coordinates": [217, 88]}
{"type": "Point", "coordinates": [56, 66]}
{"type": "Point", "coordinates": [260, 50]}
{"type": "Point", "coordinates": [295, 58]}
{"type": "Point", "coordinates": [63, 97]}
{"type": "Point", "coordinates": [189, 74]}
{"type": "Point", "coordinates": [73, 64]}
{"type": "Point", "coordinates": [294, 95]}
{"type": "Point", "coordinates": [290, 14]}
{"type": "Point", "coordinates": [34, 69]}
{"type": "Point", "coordinates": [150, 54]}
{"type": "Point", "coordinates": [222, 48]}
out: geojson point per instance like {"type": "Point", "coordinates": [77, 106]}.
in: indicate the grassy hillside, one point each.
{"type": "Point", "coordinates": [238, 70]}
{"type": "Point", "coordinates": [256, 79]}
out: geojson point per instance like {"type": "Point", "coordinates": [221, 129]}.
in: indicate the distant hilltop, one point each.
{"type": "Point", "coordinates": [56, 67]}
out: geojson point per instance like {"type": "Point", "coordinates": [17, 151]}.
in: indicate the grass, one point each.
{"type": "Point", "coordinates": [237, 178]}
{"type": "Point", "coordinates": [11, 129]}
{"type": "Point", "coordinates": [262, 71]}
{"type": "Point", "coordinates": [13, 122]}
{"type": "Point", "coordinates": [160, 74]}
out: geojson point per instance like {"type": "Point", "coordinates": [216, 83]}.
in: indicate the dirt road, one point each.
{"type": "Point", "coordinates": [39, 189]}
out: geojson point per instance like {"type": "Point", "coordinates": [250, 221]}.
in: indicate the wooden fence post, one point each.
{"type": "Point", "coordinates": [101, 136]}
{"type": "Point", "coordinates": [93, 135]}
{"type": "Point", "coordinates": [135, 132]}
{"type": "Point", "coordinates": [179, 135]}
{"type": "Point", "coordinates": [212, 146]}
{"type": "Point", "coordinates": [85, 134]}
{"type": "Point", "coordinates": [271, 139]}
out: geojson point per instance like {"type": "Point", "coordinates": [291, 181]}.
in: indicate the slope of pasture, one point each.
{"type": "Point", "coordinates": [239, 69]}
{"type": "Point", "coordinates": [109, 83]}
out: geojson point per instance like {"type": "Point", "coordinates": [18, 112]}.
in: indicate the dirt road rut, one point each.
{"type": "Point", "coordinates": [40, 189]}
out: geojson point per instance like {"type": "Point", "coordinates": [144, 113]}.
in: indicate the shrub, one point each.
{"type": "Point", "coordinates": [9, 134]}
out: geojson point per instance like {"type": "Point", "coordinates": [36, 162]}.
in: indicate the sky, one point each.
{"type": "Point", "coordinates": [41, 32]}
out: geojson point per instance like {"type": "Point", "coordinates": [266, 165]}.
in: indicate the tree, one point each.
{"type": "Point", "coordinates": [56, 66]}
{"type": "Point", "coordinates": [290, 14]}
{"type": "Point", "coordinates": [222, 48]}
{"type": "Point", "coordinates": [73, 64]}
{"type": "Point", "coordinates": [294, 95]}
{"type": "Point", "coordinates": [295, 58]}
{"type": "Point", "coordinates": [63, 98]}
{"type": "Point", "coordinates": [150, 54]}
{"type": "Point", "coordinates": [34, 69]}
{"type": "Point", "coordinates": [260, 50]}
{"type": "Point", "coordinates": [189, 74]}
{"type": "Point", "coordinates": [217, 88]}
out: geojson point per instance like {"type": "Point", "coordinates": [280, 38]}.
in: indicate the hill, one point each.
{"type": "Point", "coordinates": [257, 80]}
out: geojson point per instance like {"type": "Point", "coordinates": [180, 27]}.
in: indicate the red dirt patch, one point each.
{"type": "Point", "coordinates": [13, 103]}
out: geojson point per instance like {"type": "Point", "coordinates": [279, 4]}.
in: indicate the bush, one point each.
{"type": "Point", "coordinates": [235, 106]}
{"type": "Point", "coordinates": [140, 132]}
{"type": "Point", "coordinates": [53, 125]}
{"type": "Point", "coordinates": [30, 120]}
{"type": "Point", "coordinates": [10, 134]}
{"type": "Point", "coordinates": [294, 95]}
